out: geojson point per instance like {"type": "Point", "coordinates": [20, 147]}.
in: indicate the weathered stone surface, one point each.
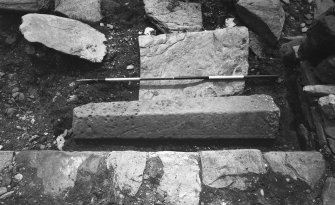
{"type": "Point", "coordinates": [218, 52]}
{"type": "Point", "coordinates": [265, 17]}
{"type": "Point", "coordinates": [170, 16]}
{"type": "Point", "coordinates": [306, 166]}
{"type": "Point", "coordinates": [223, 169]}
{"type": "Point", "coordinates": [327, 105]}
{"type": "Point", "coordinates": [25, 5]}
{"type": "Point", "coordinates": [320, 90]}
{"type": "Point", "coordinates": [128, 168]}
{"type": "Point", "coordinates": [257, 45]}
{"type": "Point", "coordinates": [181, 182]}
{"type": "Point", "coordinates": [88, 10]}
{"type": "Point", "coordinates": [65, 35]}
{"type": "Point", "coordinates": [321, 6]}
{"type": "Point", "coordinates": [6, 159]}
{"type": "Point", "coordinates": [328, 194]}
{"type": "Point", "coordinates": [217, 117]}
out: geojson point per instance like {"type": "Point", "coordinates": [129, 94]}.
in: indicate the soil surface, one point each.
{"type": "Point", "coordinates": [38, 88]}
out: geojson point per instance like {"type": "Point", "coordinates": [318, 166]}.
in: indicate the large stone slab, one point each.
{"type": "Point", "coordinates": [218, 52]}
{"type": "Point", "coordinates": [214, 117]}
{"type": "Point", "coordinates": [64, 35]}
{"type": "Point", "coordinates": [171, 16]}
{"type": "Point", "coordinates": [306, 166]}
{"type": "Point", "coordinates": [25, 5]}
{"type": "Point", "coordinates": [225, 169]}
{"type": "Point", "coordinates": [88, 10]}
{"type": "Point", "coordinates": [265, 17]}
{"type": "Point", "coordinates": [128, 168]}
{"type": "Point", "coordinates": [180, 183]}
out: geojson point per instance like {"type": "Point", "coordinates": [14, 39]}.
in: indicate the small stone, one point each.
{"type": "Point", "coordinates": [10, 111]}
{"type": "Point", "coordinates": [287, 179]}
{"type": "Point", "coordinates": [130, 67]}
{"type": "Point", "coordinates": [72, 98]}
{"type": "Point", "coordinates": [102, 24]}
{"type": "Point", "coordinates": [309, 22]}
{"type": "Point", "coordinates": [15, 90]}
{"type": "Point", "coordinates": [308, 16]}
{"type": "Point", "coordinates": [110, 26]}
{"type": "Point", "coordinates": [18, 177]}
{"type": "Point", "coordinates": [149, 31]}
{"type": "Point", "coordinates": [15, 95]}
{"type": "Point", "coordinates": [262, 192]}
{"type": "Point", "coordinates": [21, 97]}
{"type": "Point", "coordinates": [3, 190]}
{"type": "Point", "coordinates": [304, 30]}
{"type": "Point", "coordinates": [42, 147]}
{"type": "Point", "coordinates": [230, 22]}
{"type": "Point", "coordinates": [2, 74]}
{"type": "Point", "coordinates": [72, 84]}
{"type": "Point", "coordinates": [8, 194]}
{"type": "Point", "coordinates": [302, 25]}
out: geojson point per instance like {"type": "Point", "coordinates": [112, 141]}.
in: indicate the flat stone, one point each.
{"type": "Point", "coordinates": [57, 170]}
{"type": "Point", "coordinates": [88, 10]}
{"type": "Point", "coordinates": [64, 35]}
{"type": "Point", "coordinates": [217, 117]}
{"type": "Point", "coordinates": [6, 158]}
{"type": "Point", "coordinates": [128, 168]}
{"type": "Point", "coordinates": [222, 169]}
{"type": "Point", "coordinates": [306, 166]}
{"type": "Point", "coordinates": [180, 183]}
{"type": "Point", "coordinates": [171, 16]}
{"type": "Point", "coordinates": [322, 6]}
{"type": "Point", "coordinates": [320, 90]}
{"type": "Point", "coordinates": [218, 52]}
{"type": "Point", "coordinates": [265, 17]}
{"type": "Point", "coordinates": [327, 105]}
{"type": "Point", "coordinates": [25, 5]}
{"type": "Point", "coordinates": [328, 194]}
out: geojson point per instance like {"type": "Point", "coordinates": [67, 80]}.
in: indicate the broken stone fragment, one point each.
{"type": "Point", "coordinates": [172, 16]}
{"type": "Point", "coordinates": [26, 5]}
{"type": "Point", "coordinates": [327, 105]}
{"type": "Point", "coordinates": [88, 10]}
{"type": "Point", "coordinates": [306, 166]}
{"type": "Point", "coordinates": [328, 193]}
{"type": "Point", "coordinates": [65, 35]}
{"type": "Point", "coordinates": [320, 42]}
{"type": "Point", "coordinates": [264, 17]}
{"type": "Point", "coordinates": [218, 52]}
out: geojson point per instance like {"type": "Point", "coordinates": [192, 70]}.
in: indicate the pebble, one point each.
{"type": "Point", "coordinates": [304, 30]}
{"type": "Point", "coordinates": [15, 95]}
{"type": "Point", "coordinates": [8, 194]}
{"type": "Point", "coordinates": [21, 97]}
{"type": "Point", "coordinates": [3, 190]}
{"type": "Point", "coordinates": [110, 26]}
{"type": "Point", "coordinates": [18, 177]}
{"type": "Point", "coordinates": [10, 111]}
{"type": "Point", "coordinates": [287, 179]}
{"type": "Point", "coordinates": [33, 138]}
{"type": "Point", "coordinates": [102, 24]}
{"type": "Point", "coordinates": [310, 1]}
{"type": "Point", "coordinates": [130, 67]}
{"type": "Point", "coordinates": [72, 84]}
{"type": "Point", "coordinates": [262, 192]}
{"type": "Point", "coordinates": [302, 25]}
{"type": "Point", "coordinates": [72, 98]}
{"type": "Point", "coordinates": [149, 31]}
{"type": "Point", "coordinates": [308, 16]}
{"type": "Point", "coordinates": [15, 90]}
